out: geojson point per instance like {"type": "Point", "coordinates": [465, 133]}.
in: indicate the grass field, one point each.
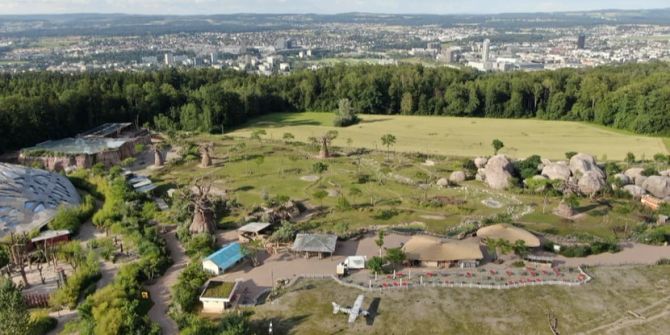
{"type": "Point", "coordinates": [467, 137]}
{"type": "Point", "coordinates": [283, 166]}
{"type": "Point", "coordinates": [600, 307]}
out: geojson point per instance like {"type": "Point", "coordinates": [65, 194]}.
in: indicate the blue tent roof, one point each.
{"type": "Point", "coordinates": [226, 256]}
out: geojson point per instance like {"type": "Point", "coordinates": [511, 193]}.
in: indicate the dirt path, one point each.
{"type": "Point", "coordinates": [631, 254]}
{"type": "Point", "coordinates": [160, 291]}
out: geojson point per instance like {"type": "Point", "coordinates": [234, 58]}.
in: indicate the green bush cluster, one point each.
{"type": "Point", "coordinates": [77, 285]}
{"type": "Point", "coordinates": [594, 248]}
{"type": "Point", "coordinates": [72, 217]}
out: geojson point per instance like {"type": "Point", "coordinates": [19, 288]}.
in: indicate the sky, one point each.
{"type": "Point", "coordinates": [186, 7]}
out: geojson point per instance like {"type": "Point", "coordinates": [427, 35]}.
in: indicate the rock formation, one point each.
{"type": "Point", "coordinates": [591, 183]}
{"type": "Point", "coordinates": [457, 177]}
{"type": "Point", "coordinates": [657, 186]}
{"type": "Point", "coordinates": [580, 164]}
{"type": "Point", "coordinates": [480, 162]}
{"type": "Point", "coordinates": [635, 191]}
{"type": "Point", "coordinates": [555, 171]}
{"type": "Point", "coordinates": [498, 172]}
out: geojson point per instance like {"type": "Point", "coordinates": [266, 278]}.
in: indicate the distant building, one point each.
{"type": "Point", "coordinates": [107, 144]}
{"type": "Point", "coordinates": [434, 45]}
{"type": "Point", "coordinates": [213, 58]}
{"type": "Point", "coordinates": [169, 59]}
{"type": "Point", "coordinates": [581, 41]}
{"type": "Point", "coordinates": [486, 49]}
{"type": "Point", "coordinates": [281, 44]}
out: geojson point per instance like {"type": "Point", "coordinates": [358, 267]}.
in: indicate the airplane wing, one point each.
{"type": "Point", "coordinates": [352, 317]}
{"type": "Point", "coordinates": [356, 309]}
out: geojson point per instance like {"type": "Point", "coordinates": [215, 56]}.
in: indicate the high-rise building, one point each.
{"type": "Point", "coordinates": [169, 59]}
{"type": "Point", "coordinates": [213, 57]}
{"type": "Point", "coordinates": [486, 48]}
{"type": "Point", "coordinates": [581, 41]}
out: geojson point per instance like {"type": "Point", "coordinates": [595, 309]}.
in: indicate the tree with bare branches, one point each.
{"type": "Point", "coordinates": [203, 209]}
{"type": "Point", "coordinates": [158, 156]}
{"type": "Point", "coordinates": [18, 251]}
{"type": "Point", "coordinates": [205, 155]}
{"type": "Point", "coordinates": [324, 142]}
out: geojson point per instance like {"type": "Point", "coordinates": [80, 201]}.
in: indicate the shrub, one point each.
{"type": "Point", "coordinates": [67, 217]}
{"type": "Point", "coordinates": [319, 167]}
{"type": "Point", "coordinates": [185, 291]}
{"type": "Point", "coordinates": [200, 245]}
{"type": "Point", "coordinates": [386, 214]}
{"type": "Point", "coordinates": [663, 261]}
{"type": "Point", "coordinates": [76, 286]}
{"type": "Point", "coordinates": [343, 204]}
{"type": "Point", "coordinates": [41, 323]}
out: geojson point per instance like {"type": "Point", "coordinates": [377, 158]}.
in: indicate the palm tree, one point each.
{"type": "Point", "coordinates": [388, 140]}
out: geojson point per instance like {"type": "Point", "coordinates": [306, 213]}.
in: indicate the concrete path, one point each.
{"type": "Point", "coordinates": [160, 291]}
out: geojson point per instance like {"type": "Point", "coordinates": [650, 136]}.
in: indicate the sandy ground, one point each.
{"type": "Point", "coordinates": [632, 253]}
{"type": "Point", "coordinates": [160, 291]}
{"type": "Point", "coordinates": [287, 266]}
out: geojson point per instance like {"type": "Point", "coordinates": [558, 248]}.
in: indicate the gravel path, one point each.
{"type": "Point", "coordinates": [160, 291]}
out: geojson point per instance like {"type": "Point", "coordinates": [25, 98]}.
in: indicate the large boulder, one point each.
{"type": "Point", "coordinates": [622, 178]}
{"type": "Point", "coordinates": [590, 183]}
{"type": "Point", "coordinates": [658, 186]}
{"type": "Point", "coordinates": [556, 171]}
{"type": "Point", "coordinates": [442, 182]}
{"type": "Point", "coordinates": [480, 162]}
{"type": "Point", "coordinates": [580, 164]}
{"type": "Point", "coordinates": [635, 175]}
{"type": "Point", "coordinates": [665, 173]}
{"type": "Point", "coordinates": [635, 191]}
{"type": "Point", "coordinates": [457, 177]}
{"type": "Point", "coordinates": [481, 174]}
{"type": "Point", "coordinates": [498, 172]}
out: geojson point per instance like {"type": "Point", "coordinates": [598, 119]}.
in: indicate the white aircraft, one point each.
{"type": "Point", "coordinates": [354, 311]}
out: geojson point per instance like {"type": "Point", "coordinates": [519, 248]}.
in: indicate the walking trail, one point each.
{"type": "Point", "coordinates": [160, 291]}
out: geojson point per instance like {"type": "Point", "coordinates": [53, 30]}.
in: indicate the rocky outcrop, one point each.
{"type": "Point", "coordinates": [635, 175]}
{"type": "Point", "coordinates": [591, 183]}
{"type": "Point", "coordinates": [556, 171]}
{"type": "Point", "coordinates": [657, 186]}
{"type": "Point", "coordinates": [580, 164]}
{"type": "Point", "coordinates": [457, 177]}
{"type": "Point", "coordinates": [480, 162]}
{"type": "Point", "coordinates": [481, 174]}
{"type": "Point", "coordinates": [622, 178]}
{"type": "Point", "coordinates": [498, 172]}
{"type": "Point", "coordinates": [635, 191]}
{"type": "Point", "coordinates": [665, 173]}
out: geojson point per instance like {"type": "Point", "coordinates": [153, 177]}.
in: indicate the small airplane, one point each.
{"type": "Point", "coordinates": [354, 311]}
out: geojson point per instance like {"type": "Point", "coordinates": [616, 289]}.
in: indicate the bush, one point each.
{"type": "Point", "coordinates": [200, 245]}
{"type": "Point", "coordinates": [386, 214]}
{"type": "Point", "coordinates": [76, 285]}
{"type": "Point", "coordinates": [67, 217]}
{"type": "Point", "coordinates": [185, 291]}
{"type": "Point", "coordinates": [663, 261]}
{"type": "Point", "coordinates": [41, 323]}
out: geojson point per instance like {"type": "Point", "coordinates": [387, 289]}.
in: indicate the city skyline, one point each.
{"type": "Point", "coordinates": [199, 7]}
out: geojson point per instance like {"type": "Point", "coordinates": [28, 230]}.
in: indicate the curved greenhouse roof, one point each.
{"type": "Point", "coordinates": [30, 197]}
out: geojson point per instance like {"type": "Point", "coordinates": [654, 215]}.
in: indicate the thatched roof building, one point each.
{"type": "Point", "coordinates": [432, 251]}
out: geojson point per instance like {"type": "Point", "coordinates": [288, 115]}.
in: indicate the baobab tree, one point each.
{"type": "Point", "coordinates": [203, 209]}
{"type": "Point", "coordinates": [324, 141]}
{"type": "Point", "coordinates": [205, 157]}
{"type": "Point", "coordinates": [158, 157]}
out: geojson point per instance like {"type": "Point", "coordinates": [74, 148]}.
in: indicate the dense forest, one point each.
{"type": "Point", "coordinates": [38, 106]}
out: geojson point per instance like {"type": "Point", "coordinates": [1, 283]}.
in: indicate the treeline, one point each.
{"type": "Point", "coordinates": [39, 106]}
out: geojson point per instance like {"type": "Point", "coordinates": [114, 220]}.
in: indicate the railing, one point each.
{"type": "Point", "coordinates": [586, 279]}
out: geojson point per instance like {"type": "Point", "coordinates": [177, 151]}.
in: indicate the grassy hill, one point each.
{"type": "Point", "coordinates": [464, 136]}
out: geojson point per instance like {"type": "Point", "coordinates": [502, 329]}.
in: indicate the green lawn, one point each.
{"type": "Point", "coordinates": [249, 180]}
{"type": "Point", "coordinates": [596, 308]}
{"type": "Point", "coordinates": [466, 137]}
